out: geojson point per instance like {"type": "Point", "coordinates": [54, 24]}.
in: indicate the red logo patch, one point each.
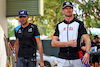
{"type": "Point", "coordinates": [70, 28]}
{"type": "Point", "coordinates": [64, 28]}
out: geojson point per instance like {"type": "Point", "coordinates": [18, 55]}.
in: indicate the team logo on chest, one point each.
{"type": "Point", "coordinates": [64, 28]}
{"type": "Point", "coordinates": [32, 26]}
{"type": "Point", "coordinates": [30, 30]}
{"type": "Point", "coordinates": [70, 28]}
{"type": "Point", "coordinates": [19, 31]}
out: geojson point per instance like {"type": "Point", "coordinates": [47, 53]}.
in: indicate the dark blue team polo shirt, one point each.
{"type": "Point", "coordinates": [27, 42]}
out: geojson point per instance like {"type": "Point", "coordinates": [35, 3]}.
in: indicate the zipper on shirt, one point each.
{"type": "Point", "coordinates": [67, 32]}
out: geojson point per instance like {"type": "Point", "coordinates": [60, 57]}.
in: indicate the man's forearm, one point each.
{"type": "Point", "coordinates": [39, 43]}
{"type": "Point", "coordinates": [70, 43]}
{"type": "Point", "coordinates": [87, 42]}
{"type": "Point", "coordinates": [16, 48]}
{"type": "Point", "coordinates": [59, 44]}
{"type": "Point", "coordinates": [88, 45]}
{"type": "Point", "coordinates": [41, 53]}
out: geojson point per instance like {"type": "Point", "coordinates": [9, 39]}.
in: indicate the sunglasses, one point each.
{"type": "Point", "coordinates": [22, 16]}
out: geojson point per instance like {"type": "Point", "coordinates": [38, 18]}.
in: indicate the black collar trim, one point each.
{"type": "Point", "coordinates": [69, 22]}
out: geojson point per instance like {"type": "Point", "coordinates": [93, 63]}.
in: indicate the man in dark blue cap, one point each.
{"type": "Point", "coordinates": [27, 35]}
{"type": "Point", "coordinates": [69, 33]}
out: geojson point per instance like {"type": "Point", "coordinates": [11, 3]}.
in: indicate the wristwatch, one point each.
{"type": "Point", "coordinates": [88, 52]}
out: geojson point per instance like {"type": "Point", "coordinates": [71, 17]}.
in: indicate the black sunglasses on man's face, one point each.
{"type": "Point", "coordinates": [22, 16]}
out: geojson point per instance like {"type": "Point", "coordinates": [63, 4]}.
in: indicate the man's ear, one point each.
{"type": "Point", "coordinates": [27, 16]}
{"type": "Point", "coordinates": [63, 11]}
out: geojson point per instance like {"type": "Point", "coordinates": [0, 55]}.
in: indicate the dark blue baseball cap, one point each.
{"type": "Point", "coordinates": [23, 12]}
{"type": "Point", "coordinates": [65, 4]}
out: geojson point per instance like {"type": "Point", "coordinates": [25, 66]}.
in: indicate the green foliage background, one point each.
{"type": "Point", "coordinates": [53, 15]}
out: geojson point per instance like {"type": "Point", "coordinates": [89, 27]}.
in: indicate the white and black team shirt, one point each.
{"type": "Point", "coordinates": [69, 31]}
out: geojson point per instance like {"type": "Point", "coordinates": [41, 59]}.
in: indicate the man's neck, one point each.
{"type": "Point", "coordinates": [25, 25]}
{"type": "Point", "coordinates": [68, 18]}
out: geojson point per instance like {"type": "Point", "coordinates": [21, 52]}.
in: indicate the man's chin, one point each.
{"type": "Point", "coordinates": [68, 15]}
{"type": "Point", "coordinates": [23, 23]}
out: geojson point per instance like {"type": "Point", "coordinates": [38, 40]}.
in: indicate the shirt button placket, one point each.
{"type": "Point", "coordinates": [68, 50]}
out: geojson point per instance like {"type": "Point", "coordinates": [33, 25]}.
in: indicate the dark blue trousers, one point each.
{"type": "Point", "coordinates": [23, 62]}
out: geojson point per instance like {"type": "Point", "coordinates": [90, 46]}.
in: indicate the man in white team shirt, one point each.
{"type": "Point", "coordinates": [69, 33]}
